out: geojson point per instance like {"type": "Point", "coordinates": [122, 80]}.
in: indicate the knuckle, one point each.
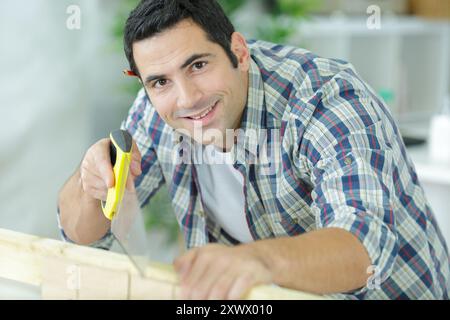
{"type": "Point", "coordinates": [100, 150]}
{"type": "Point", "coordinates": [90, 190]}
{"type": "Point", "coordinates": [84, 164]}
{"type": "Point", "coordinates": [98, 195]}
{"type": "Point", "coordinates": [83, 174]}
{"type": "Point", "coordinates": [102, 143]}
{"type": "Point", "coordinates": [84, 187]}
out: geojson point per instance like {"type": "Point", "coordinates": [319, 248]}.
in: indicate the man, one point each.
{"type": "Point", "coordinates": [326, 200]}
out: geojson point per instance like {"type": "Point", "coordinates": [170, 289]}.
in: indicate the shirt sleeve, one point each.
{"type": "Point", "coordinates": [104, 243]}
{"type": "Point", "coordinates": [352, 176]}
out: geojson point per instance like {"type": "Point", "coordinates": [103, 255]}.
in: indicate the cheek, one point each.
{"type": "Point", "coordinates": [218, 81]}
{"type": "Point", "coordinates": [164, 107]}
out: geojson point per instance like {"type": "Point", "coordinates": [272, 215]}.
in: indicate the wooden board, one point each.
{"type": "Point", "coordinates": [69, 271]}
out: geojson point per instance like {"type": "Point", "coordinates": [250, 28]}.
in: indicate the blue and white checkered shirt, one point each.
{"type": "Point", "coordinates": [336, 159]}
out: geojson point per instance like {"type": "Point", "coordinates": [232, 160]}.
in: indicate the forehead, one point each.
{"type": "Point", "coordinates": [171, 47]}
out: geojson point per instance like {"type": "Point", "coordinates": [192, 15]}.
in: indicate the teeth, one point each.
{"type": "Point", "coordinates": [203, 114]}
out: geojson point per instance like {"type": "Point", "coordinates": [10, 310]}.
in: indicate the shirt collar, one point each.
{"type": "Point", "coordinates": [252, 115]}
{"type": "Point", "coordinates": [251, 124]}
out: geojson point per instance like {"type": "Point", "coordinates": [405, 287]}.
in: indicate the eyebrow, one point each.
{"type": "Point", "coordinates": [188, 61]}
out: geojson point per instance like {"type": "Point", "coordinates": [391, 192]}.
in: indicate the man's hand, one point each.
{"type": "Point", "coordinates": [80, 210]}
{"type": "Point", "coordinates": [323, 261]}
{"type": "Point", "coordinates": [96, 170]}
{"type": "Point", "coordinates": [219, 272]}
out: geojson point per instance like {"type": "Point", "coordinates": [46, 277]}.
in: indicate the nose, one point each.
{"type": "Point", "coordinates": [188, 94]}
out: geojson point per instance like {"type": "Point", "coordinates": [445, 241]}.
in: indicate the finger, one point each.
{"type": "Point", "coordinates": [135, 153]}
{"type": "Point", "coordinates": [103, 164]}
{"type": "Point", "coordinates": [99, 194]}
{"type": "Point", "coordinates": [208, 278]}
{"type": "Point", "coordinates": [202, 270]}
{"type": "Point", "coordinates": [87, 172]}
{"type": "Point", "coordinates": [135, 168]}
{"type": "Point", "coordinates": [183, 266]}
{"type": "Point", "coordinates": [183, 263]}
{"type": "Point", "coordinates": [88, 168]}
{"type": "Point", "coordinates": [93, 182]}
{"type": "Point", "coordinates": [240, 287]}
{"type": "Point", "coordinates": [219, 290]}
{"type": "Point", "coordinates": [130, 183]}
{"type": "Point", "coordinates": [135, 160]}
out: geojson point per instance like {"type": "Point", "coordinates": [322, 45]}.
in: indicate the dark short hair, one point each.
{"type": "Point", "coordinates": [151, 17]}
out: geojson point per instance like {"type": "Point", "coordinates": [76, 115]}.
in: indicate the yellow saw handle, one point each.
{"type": "Point", "coordinates": [120, 153]}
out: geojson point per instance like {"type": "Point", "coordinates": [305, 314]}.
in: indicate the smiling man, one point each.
{"type": "Point", "coordinates": [283, 167]}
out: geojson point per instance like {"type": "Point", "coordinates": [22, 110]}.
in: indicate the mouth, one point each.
{"type": "Point", "coordinates": [204, 115]}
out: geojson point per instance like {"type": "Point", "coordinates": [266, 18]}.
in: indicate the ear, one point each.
{"type": "Point", "coordinates": [240, 50]}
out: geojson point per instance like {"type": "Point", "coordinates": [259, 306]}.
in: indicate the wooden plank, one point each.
{"type": "Point", "coordinates": [60, 280]}
{"type": "Point", "coordinates": [17, 261]}
{"type": "Point", "coordinates": [102, 283]}
{"type": "Point", "coordinates": [151, 289]}
{"type": "Point", "coordinates": [69, 271]}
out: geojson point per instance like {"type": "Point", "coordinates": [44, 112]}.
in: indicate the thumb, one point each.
{"type": "Point", "coordinates": [135, 165]}
{"type": "Point", "coordinates": [105, 169]}
{"type": "Point", "coordinates": [107, 174]}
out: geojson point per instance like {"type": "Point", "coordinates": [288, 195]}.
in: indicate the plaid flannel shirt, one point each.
{"type": "Point", "coordinates": [337, 159]}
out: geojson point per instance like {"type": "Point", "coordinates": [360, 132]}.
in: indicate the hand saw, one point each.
{"type": "Point", "coordinates": [122, 205]}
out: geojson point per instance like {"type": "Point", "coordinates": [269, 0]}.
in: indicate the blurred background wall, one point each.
{"type": "Point", "coordinates": [60, 90]}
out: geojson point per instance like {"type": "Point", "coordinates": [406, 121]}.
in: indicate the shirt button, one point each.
{"type": "Point", "coordinates": [348, 161]}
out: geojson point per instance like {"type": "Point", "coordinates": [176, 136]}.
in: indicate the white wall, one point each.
{"type": "Point", "coordinates": [60, 90]}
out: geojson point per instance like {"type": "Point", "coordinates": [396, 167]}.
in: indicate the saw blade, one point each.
{"type": "Point", "coordinates": [128, 228]}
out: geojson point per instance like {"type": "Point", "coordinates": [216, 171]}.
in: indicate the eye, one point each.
{"type": "Point", "coordinates": [159, 83]}
{"type": "Point", "coordinates": [199, 65]}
